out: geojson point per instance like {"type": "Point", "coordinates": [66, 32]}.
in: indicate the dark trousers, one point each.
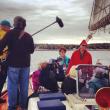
{"type": "Point", "coordinates": [3, 75]}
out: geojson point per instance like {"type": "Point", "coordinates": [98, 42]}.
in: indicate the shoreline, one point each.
{"type": "Point", "coordinates": [99, 49]}
{"type": "Point", "coordinates": [71, 49]}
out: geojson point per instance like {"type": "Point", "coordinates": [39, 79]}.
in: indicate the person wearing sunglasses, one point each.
{"type": "Point", "coordinates": [80, 56]}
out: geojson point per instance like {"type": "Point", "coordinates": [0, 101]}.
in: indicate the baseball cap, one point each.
{"type": "Point", "coordinates": [5, 23]}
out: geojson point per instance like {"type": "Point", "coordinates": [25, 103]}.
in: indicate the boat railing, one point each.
{"type": "Point", "coordinates": [90, 78]}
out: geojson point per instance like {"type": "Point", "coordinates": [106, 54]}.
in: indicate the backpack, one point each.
{"type": "Point", "coordinates": [60, 75]}
{"type": "Point", "coordinates": [47, 79]}
{"type": "Point", "coordinates": [58, 70]}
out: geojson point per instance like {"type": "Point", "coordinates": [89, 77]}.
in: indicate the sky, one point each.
{"type": "Point", "coordinates": [75, 15]}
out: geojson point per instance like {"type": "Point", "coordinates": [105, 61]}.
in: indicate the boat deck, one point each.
{"type": "Point", "coordinates": [4, 106]}
{"type": "Point", "coordinates": [73, 102]}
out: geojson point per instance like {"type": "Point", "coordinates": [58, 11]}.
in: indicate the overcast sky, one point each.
{"type": "Point", "coordinates": [75, 15]}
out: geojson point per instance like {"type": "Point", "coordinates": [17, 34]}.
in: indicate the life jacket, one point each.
{"type": "Point", "coordinates": [4, 53]}
{"type": "Point", "coordinates": [58, 69]}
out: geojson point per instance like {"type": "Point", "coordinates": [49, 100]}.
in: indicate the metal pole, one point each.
{"type": "Point", "coordinates": [44, 28]}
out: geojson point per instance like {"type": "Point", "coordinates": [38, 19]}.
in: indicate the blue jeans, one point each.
{"type": "Point", "coordinates": [18, 79]}
{"type": "Point", "coordinates": [97, 83]}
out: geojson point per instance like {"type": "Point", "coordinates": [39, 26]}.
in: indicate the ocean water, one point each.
{"type": "Point", "coordinates": [41, 56]}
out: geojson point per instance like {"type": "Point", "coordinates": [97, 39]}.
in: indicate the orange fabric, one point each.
{"type": "Point", "coordinates": [76, 59]}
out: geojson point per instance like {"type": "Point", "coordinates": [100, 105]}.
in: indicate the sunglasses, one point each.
{"type": "Point", "coordinates": [84, 45]}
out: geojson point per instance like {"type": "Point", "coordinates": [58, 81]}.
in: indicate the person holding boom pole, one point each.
{"type": "Point", "coordinates": [20, 45]}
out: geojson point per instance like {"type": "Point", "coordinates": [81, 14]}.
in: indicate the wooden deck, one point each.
{"type": "Point", "coordinates": [4, 106]}
{"type": "Point", "coordinates": [73, 102]}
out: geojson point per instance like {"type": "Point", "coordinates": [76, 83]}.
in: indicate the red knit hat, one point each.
{"type": "Point", "coordinates": [84, 43]}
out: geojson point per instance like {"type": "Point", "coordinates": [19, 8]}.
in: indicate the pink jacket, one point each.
{"type": "Point", "coordinates": [35, 80]}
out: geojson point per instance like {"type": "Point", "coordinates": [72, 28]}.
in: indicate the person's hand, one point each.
{"type": "Point", "coordinates": [81, 80]}
{"type": "Point", "coordinates": [67, 75]}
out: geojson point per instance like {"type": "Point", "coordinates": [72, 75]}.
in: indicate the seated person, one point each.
{"type": "Point", "coordinates": [98, 80]}
{"type": "Point", "coordinates": [44, 79]}
{"type": "Point", "coordinates": [79, 56]}
{"type": "Point", "coordinates": [63, 59]}
{"type": "Point", "coordinates": [60, 64]}
{"type": "Point", "coordinates": [84, 74]}
{"type": "Point", "coordinates": [35, 76]}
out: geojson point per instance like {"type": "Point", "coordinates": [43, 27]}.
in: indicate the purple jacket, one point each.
{"type": "Point", "coordinates": [35, 80]}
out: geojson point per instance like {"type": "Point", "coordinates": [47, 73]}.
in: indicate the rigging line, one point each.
{"type": "Point", "coordinates": [91, 14]}
{"type": "Point", "coordinates": [109, 9]}
{"type": "Point", "coordinates": [102, 9]}
{"type": "Point", "coordinates": [106, 11]}
{"type": "Point", "coordinates": [102, 15]}
{"type": "Point", "coordinates": [106, 29]}
{"type": "Point", "coordinates": [102, 3]}
{"type": "Point", "coordinates": [105, 8]}
{"type": "Point", "coordinates": [97, 5]}
{"type": "Point", "coordinates": [103, 12]}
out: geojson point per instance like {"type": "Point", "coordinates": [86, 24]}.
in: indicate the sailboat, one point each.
{"type": "Point", "coordinates": [100, 18]}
